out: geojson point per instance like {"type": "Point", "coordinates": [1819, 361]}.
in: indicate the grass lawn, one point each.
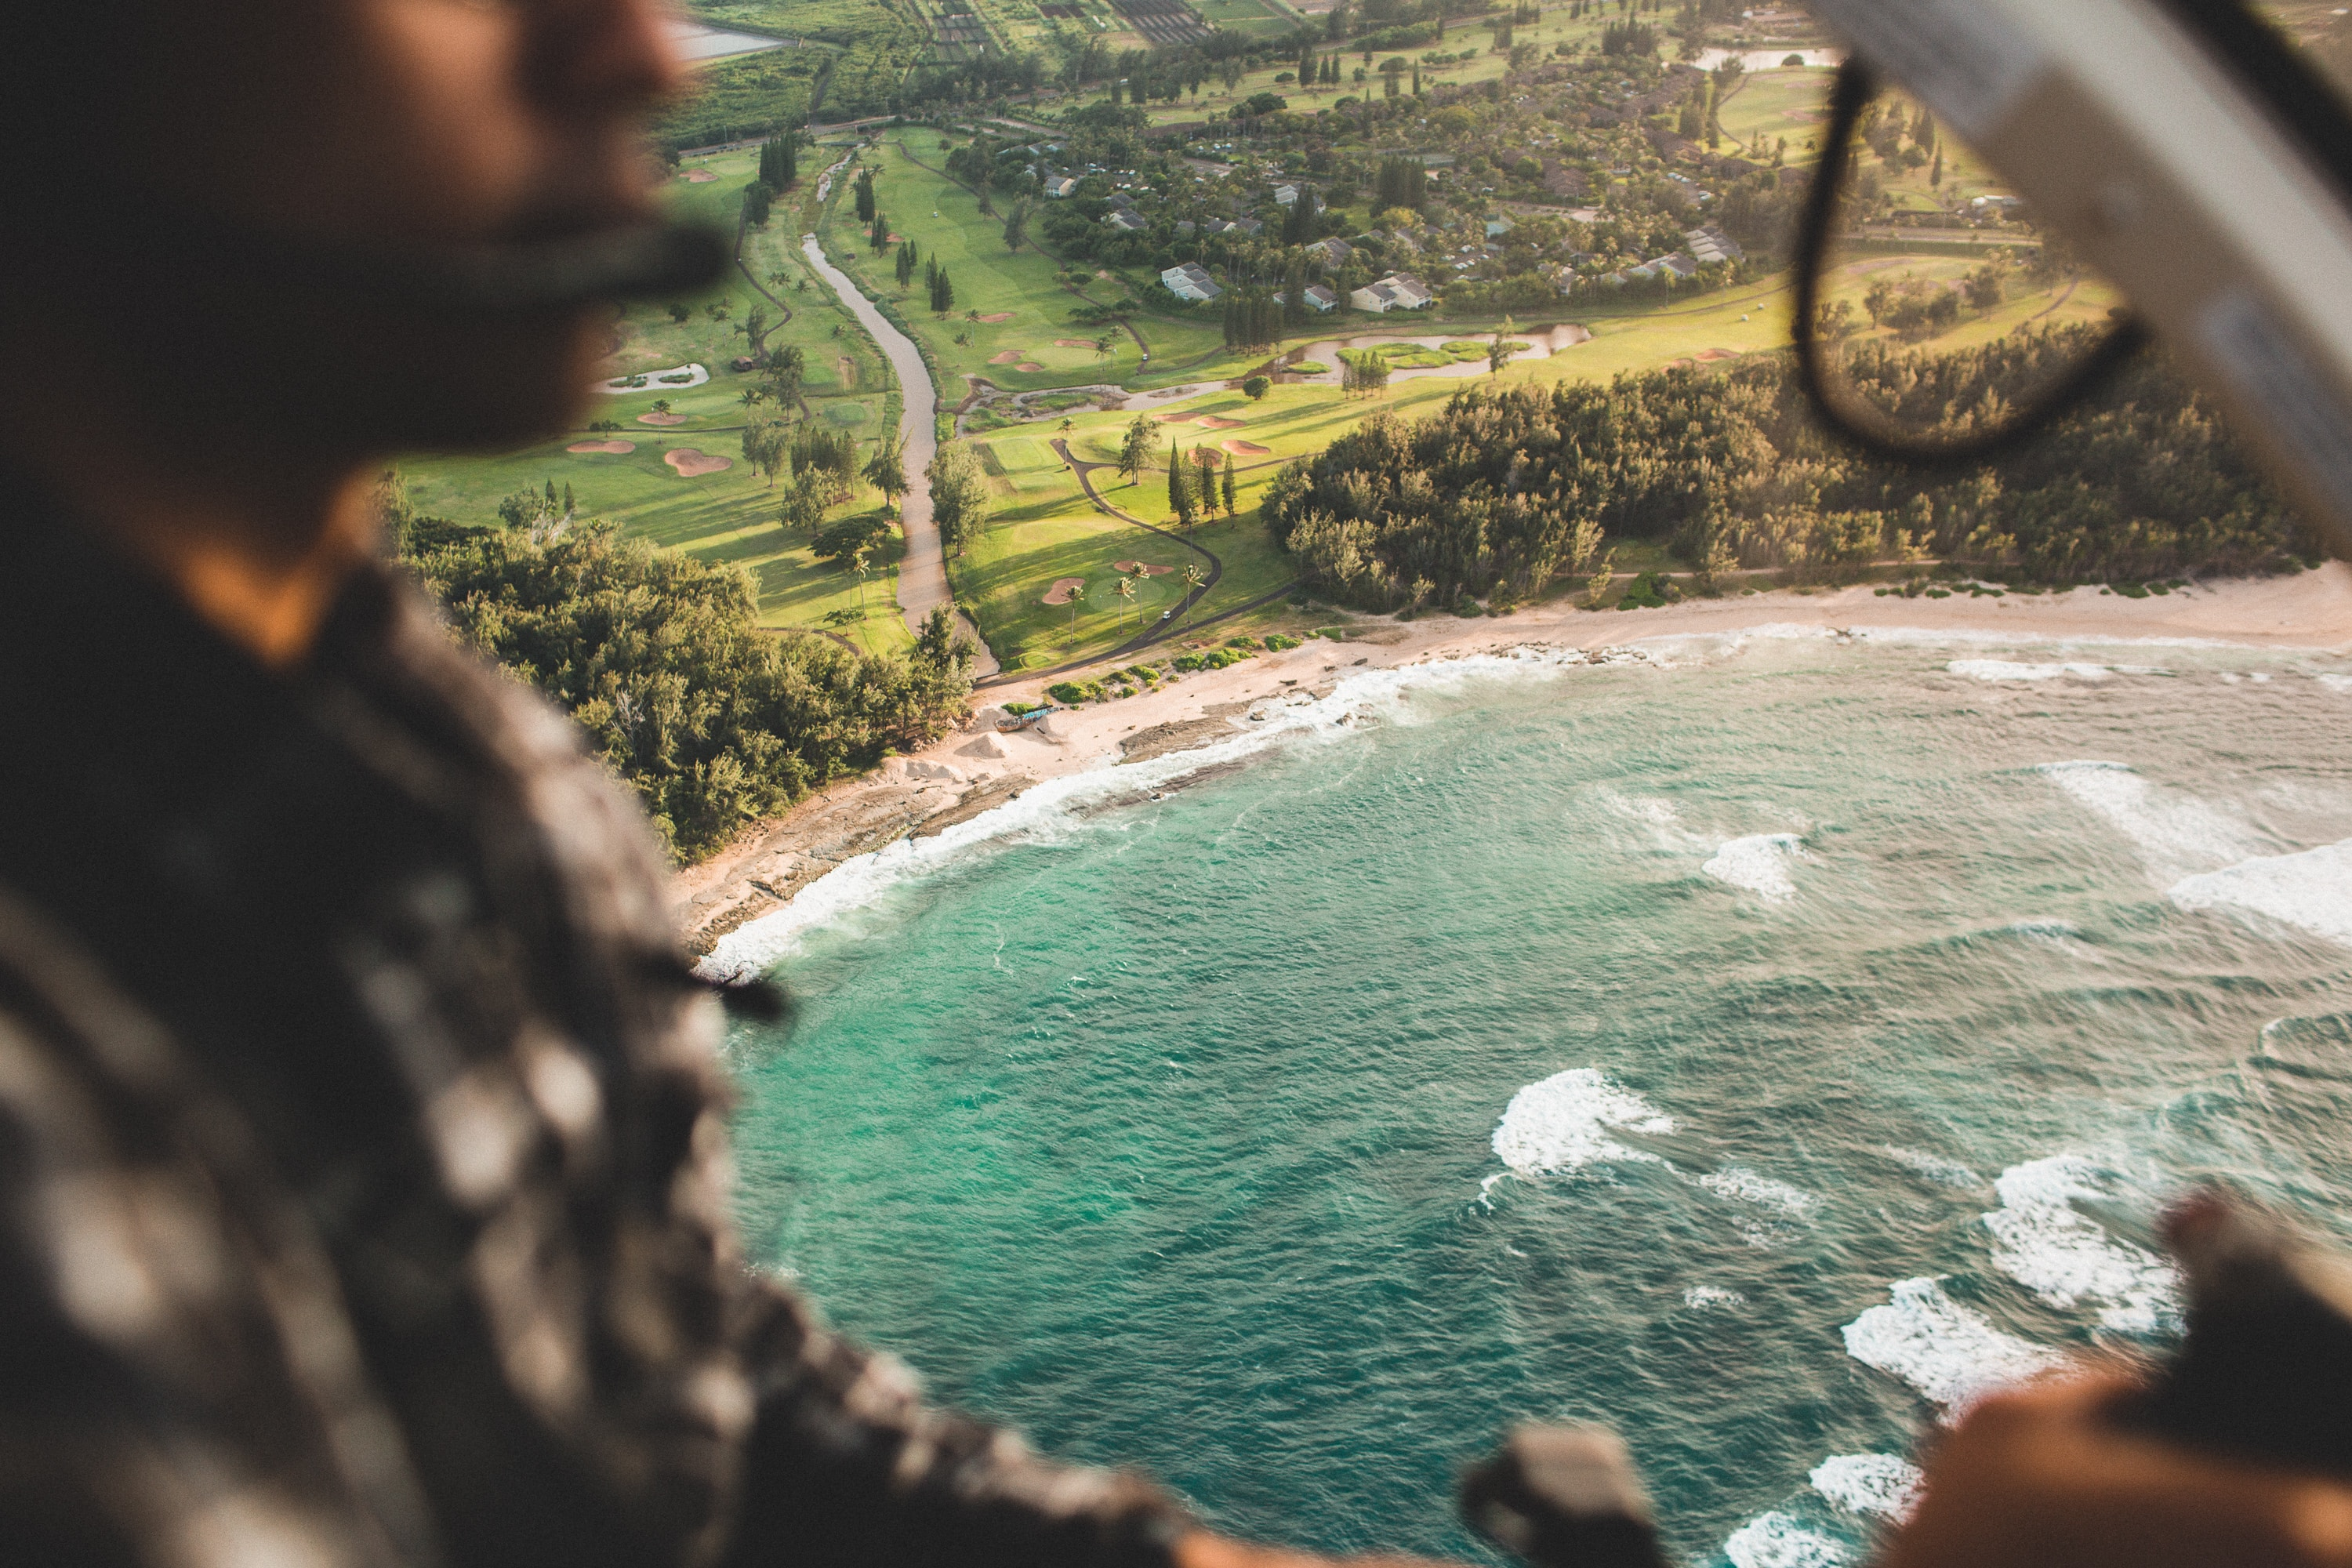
{"type": "Point", "coordinates": [730, 515]}
{"type": "Point", "coordinates": [946, 223]}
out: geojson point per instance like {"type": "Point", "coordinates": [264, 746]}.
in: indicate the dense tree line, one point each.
{"type": "Point", "coordinates": [712, 719]}
{"type": "Point", "coordinates": [1505, 490]}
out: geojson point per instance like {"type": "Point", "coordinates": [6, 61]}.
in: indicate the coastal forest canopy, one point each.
{"type": "Point", "coordinates": [714, 721]}
{"type": "Point", "coordinates": [1505, 490]}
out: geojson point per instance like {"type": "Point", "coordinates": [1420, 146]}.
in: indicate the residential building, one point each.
{"type": "Point", "coordinates": [1397, 291]}
{"type": "Point", "coordinates": [1060, 184]}
{"type": "Point", "coordinates": [1710, 246]}
{"type": "Point", "coordinates": [1248, 226]}
{"type": "Point", "coordinates": [1319, 298]}
{"type": "Point", "coordinates": [1285, 195]}
{"type": "Point", "coordinates": [1190, 282]}
{"type": "Point", "coordinates": [1335, 250]}
{"type": "Point", "coordinates": [1127, 220]}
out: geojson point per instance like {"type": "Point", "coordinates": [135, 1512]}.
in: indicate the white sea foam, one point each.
{"type": "Point", "coordinates": [2064, 1258]}
{"type": "Point", "coordinates": [1710, 1297]}
{"type": "Point", "coordinates": [1879, 1484]}
{"type": "Point", "coordinates": [1935, 1167]}
{"type": "Point", "coordinates": [1562, 1122]}
{"type": "Point", "coordinates": [1950, 1354]}
{"type": "Point", "coordinates": [1738, 1181]}
{"type": "Point", "coordinates": [2176, 834]}
{"type": "Point", "coordinates": [2007, 669]}
{"type": "Point", "coordinates": [2312, 890]}
{"type": "Point", "coordinates": [1053, 805]}
{"type": "Point", "coordinates": [2335, 683]}
{"type": "Point", "coordinates": [1659, 818]}
{"type": "Point", "coordinates": [1758, 863]}
{"type": "Point", "coordinates": [1778, 1541]}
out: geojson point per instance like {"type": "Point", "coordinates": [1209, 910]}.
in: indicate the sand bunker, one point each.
{"type": "Point", "coordinates": [1218, 421]}
{"type": "Point", "coordinates": [701, 176]}
{"type": "Point", "coordinates": [1010, 356]}
{"type": "Point", "coordinates": [692, 465]}
{"type": "Point", "coordinates": [1175, 419]}
{"type": "Point", "coordinates": [1144, 568]}
{"type": "Point", "coordinates": [1028, 365]}
{"type": "Point", "coordinates": [1059, 594]}
{"type": "Point", "coordinates": [616, 447]}
{"type": "Point", "coordinates": [1074, 342]}
{"type": "Point", "coordinates": [1246, 448]}
{"type": "Point", "coordinates": [1717, 354]}
{"type": "Point", "coordinates": [999, 316]}
{"type": "Point", "coordinates": [661, 419]}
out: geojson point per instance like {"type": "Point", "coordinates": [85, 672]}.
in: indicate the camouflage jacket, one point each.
{"type": "Point", "coordinates": [364, 1170]}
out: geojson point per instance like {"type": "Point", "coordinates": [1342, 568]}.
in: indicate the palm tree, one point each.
{"type": "Point", "coordinates": [1068, 425]}
{"type": "Point", "coordinates": [857, 564]}
{"type": "Point", "coordinates": [1126, 590]}
{"type": "Point", "coordinates": [1103, 346]}
{"type": "Point", "coordinates": [752, 395]}
{"type": "Point", "coordinates": [1195, 578]}
{"type": "Point", "coordinates": [1077, 596]}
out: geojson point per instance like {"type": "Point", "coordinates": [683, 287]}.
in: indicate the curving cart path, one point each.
{"type": "Point", "coordinates": [923, 571]}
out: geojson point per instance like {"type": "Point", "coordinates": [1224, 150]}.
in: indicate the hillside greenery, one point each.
{"type": "Point", "coordinates": [713, 722]}
{"type": "Point", "coordinates": [1506, 490]}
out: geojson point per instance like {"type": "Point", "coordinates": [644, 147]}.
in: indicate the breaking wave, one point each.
{"type": "Point", "coordinates": [2176, 834]}
{"type": "Point", "coordinates": [1880, 1485]}
{"type": "Point", "coordinates": [1952, 1354]}
{"type": "Point", "coordinates": [1776, 1540]}
{"type": "Point", "coordinates": [1562, 1123]}
{"type": "Point", "coordinates": [2005, 669]}
{"type": "Point", "coordinates": [2043, 1243]}
{"type": "Point", "coordinates": [1759, 863]}
{"type": "Point", "coordinates": [2311, 891]}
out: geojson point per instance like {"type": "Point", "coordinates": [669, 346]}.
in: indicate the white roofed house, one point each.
{"type": "Point", "coordinates": [1710, 246]}
{"type": "Point", "coordinates": [1395, 292]}
{"type": "Point", "coordinates": [1285, 195]}
{"type": "Point", "coordinates": [1190, 282]}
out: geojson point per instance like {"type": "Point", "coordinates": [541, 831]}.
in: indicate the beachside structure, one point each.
{"type": "Point", "coordinates": [1190, 282]}
{"type": "Point", "coordinates": [1395, 292]}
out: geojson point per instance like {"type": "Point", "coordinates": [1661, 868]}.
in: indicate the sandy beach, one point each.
{"type": "Point", "coordinates": [978, 769]}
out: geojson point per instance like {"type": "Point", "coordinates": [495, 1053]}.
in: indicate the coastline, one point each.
{"type": "Point", "coordinates": [972, 772]}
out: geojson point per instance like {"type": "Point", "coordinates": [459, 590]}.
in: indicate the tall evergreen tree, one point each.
{"type": "Point", "coordinates": [1180, 492]}
{"type": "Point", "coordinates": [1228, 485]}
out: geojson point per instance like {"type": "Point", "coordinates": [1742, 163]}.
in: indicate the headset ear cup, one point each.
{"type": "Point", "coordinates": [1875, 436]}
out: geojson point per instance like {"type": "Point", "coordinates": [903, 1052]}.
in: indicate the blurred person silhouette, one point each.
{"type": "Point", "coordinates": [363, 1161]}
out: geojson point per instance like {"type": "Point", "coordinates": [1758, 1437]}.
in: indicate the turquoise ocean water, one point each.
{"type": "Point", "coordinates": [1756, 1044]}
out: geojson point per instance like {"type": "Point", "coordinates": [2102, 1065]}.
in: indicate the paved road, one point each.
{"type": "Point", "coordinates": [923, 573]}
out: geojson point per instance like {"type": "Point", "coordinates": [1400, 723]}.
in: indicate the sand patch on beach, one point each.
{"type": "Point", "coordinates": [691, 464]}
{"type": "Point", "coordinates": [1246, 448]}
{"type": "Point", "coordinates": [1059, 594]}
{"type": "Point", "coordinates": [616, 447]}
